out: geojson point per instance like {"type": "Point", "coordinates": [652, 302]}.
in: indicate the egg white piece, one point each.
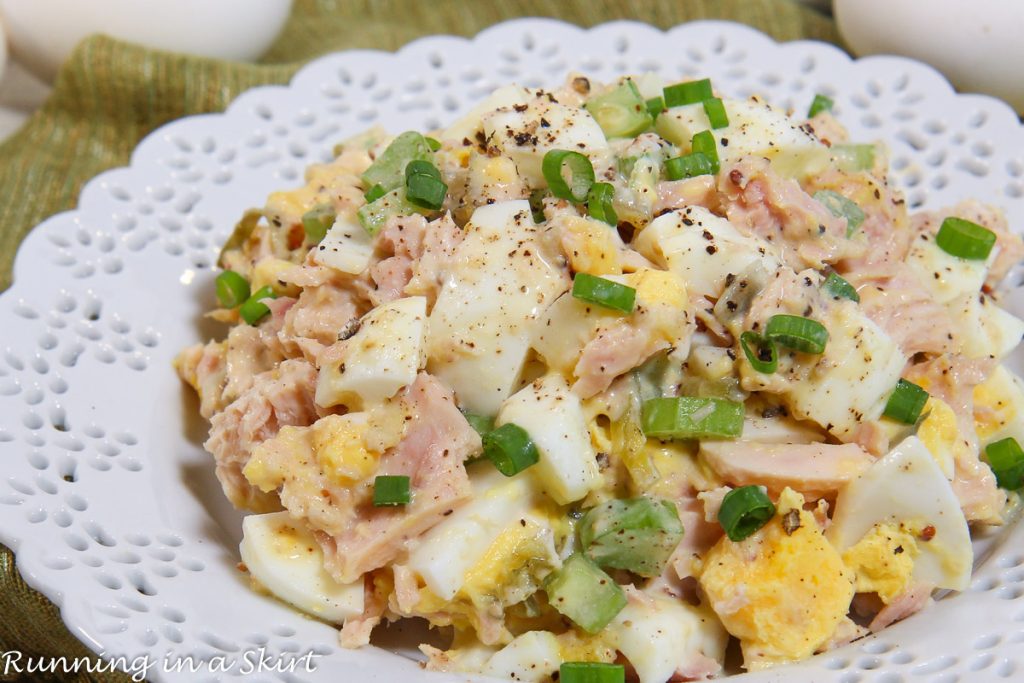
{"type": "Point", "coordinates": [282, 555]}
{"type": "Point", "coordinates": [497, 502]}
{"type": "Point", "coordinates": [468, 125]}
{"type": "Point", "coordinates": [999, 407]}
{"type": "Point", "coordinates": [553, 416]}
{"type": "Point", "coordinates": [983, 328]}
{"type": "Point", "coordinates": [678, 241]}
{"type": "Point", "coordinates": [908, 487]}
{"type": "Point", "coordinates": [382, 357]}
{"type": "Point", "coordinates": [526, 135]}
{"type": "Point", "coordinates": [755, 128]}
{"type": "Point", "coordinates": [479, 329]}
{"type": "Point", "coordinates": [659, 635]}
{"type": "Point", "coordinates": [346, 247]}
{"type": "Point", "coordinates": [532, 657]}
{"type": "Point", "coordinates": [945, 276]}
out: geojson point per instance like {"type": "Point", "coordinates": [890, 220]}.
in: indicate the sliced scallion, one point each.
{"type": "Point", "coordinates": [423, 185]}
{"type": "Point", "coordinates": [797, 333]}
{"type": "Point", "coordinates": [317, 221]}
{"type": "Point", "coordinates": [840, 288]}
{"type": "Point", "coordinates": [591, 672]}
{"type": "Point", "coordinates": [598, 290]}
{"type": "Point", "coordinates": [841, 207]}
{"type": "Point", "coordinates": [581, 174]}
{"type": "Point", "coordinates": [481, 425]}
{"type": "Point", "coordinates": [584, 593]}
{"type": "Point", "coordinates": [390, 490]}
{"type": "Point", "coordinates": [691, 417]}
{"type": "Point", "coordinates": [715, 109]}
{"type": "Point", "coordinates": [510, 448]}
{"type": "Point", "coordinates": [253, 309]}
{"type": "Point", "coordinates": [744, 510]}
{"type": "Point", "coordinates": [232, 289]}
{"type": "Point", "coordinates": [374, 193]}
{"type": "Point", "coordinates": [704, 143]}
{"type": "Point", "coordinates": [599, 203]}
{"type": "Point", "coordinates": [433, 144]}
{"type": "Point", "coordinates": [688, 166]}
{"type": "Point", "coordinates": [1006, 458]}
{"type": "Point", "coordinates": [906, 402]}
{"type": "Point", "coordinates": [621, 112]}
{"type": "Point", "coordinates": [964, 239]}
{"type": "Point", "coordinates": [655, 106]}
{"type": "Point", "coordinates": [819, 104]}
{"type": "Point", "coordinates": [689, 92]}
{"type": "Point", "coordinates": [761, 353]}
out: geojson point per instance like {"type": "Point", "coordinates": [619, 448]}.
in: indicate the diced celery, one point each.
{"type": "Point", "coordinates": [585, 594]}
{"type": "Point", "coordinates": [638, 535]}
{"type": "Point", "coordinates": [622, 112]}
{"type": "Point", "coordinates": [388, 170]}
{"type": "Point", "coordinates": [374, 215]}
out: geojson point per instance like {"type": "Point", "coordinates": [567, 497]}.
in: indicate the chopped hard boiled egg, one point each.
{"type": "Point", "coordinates": [662, 635]}
{"type": "Point", "coordinates": [282, 555]}
{"type": "Point", "coordinates": [479, 330]}
{"type": "Point", "coordinates": [468, 126]}
{"type": "Point", "coordinates": [553, 416]}
{"type": "Point", "coordinates": [908, 490]}
{"type": "Point", "coordinates": [755, 129]}
{"type": "Point", "coordinates": [945, 276]}
{"type": "Point", "coordinates": [346, 247]}
{"type": "Point", "coordinates": [702, 248]}
{"type": "Point", "coordinates": [940, 434]}
{"type": "Point", "coordinates": [382, 357]}
{"type": "Point", "coordinates": [531, 657]}
{"type": "Point", "coordinates": [781, 593]}
{"type": "Point", "coordinates": [982, 328]}
{"type": "Point", "coordinates": [883, 561]}
{"type": "Point", "coordinates": [999, 407]}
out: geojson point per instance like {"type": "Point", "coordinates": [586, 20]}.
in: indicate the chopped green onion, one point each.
{"type": "Point", "coordinates": [389, 489]}
{"type": "Point", "coordinates": [638, 535]}
{"type": "Point", "coordinates": [744, 510]}
{"type": "Point", "coordinates": [964, 239]}
{"type": "Point", "coordinates": [1006, 459]}
{"type": "Point", "coordinates": [510, 448]}
{"type": "Point", "coordinates": [797, 333]}
{"type": "Point", "coordinates": [374, 193]}
{"type": "Point", "coordinates": [317, 221]}
{"type": "Point", "coordinates": [819, 104]}
{"type": "Point", "coordinates": [480, 424]}
{"type": "Point", "coordinates": [655, 106]}
{"type": "Point", "coordinates": [841, 207]}
{"type": "Point", "coordinates": [602, 292]}
{"type": "Point", "coordinates": [906, 402]}
{"type": "Point", "coordinates": [591, 672]}
{"type": "Point", "coordinates": [715, 109]}
{"type": "Point", "coordinates": [423, 185]}
{"type": "Point", "coordinates": [374, 215]}
{"type": "Point", "coordinates": [691, 417]}
{"type": "Point", "coordinates": [254, 310]}
{"type": "Point", "coordinates": [537, 205]}
{"type": "Point", "coordinates": [599, 203]}
{"type": "Point", "coordinates": [688, 166]}
{"type": "Point", "coordinates": [584, 593]}
{"type": "Point", "coordinates": [622, 112]}
{"type": "Point", "coordinates": [232, 289]}
{"type": "Point", "coordinates": [581, 173]}
{"type": "Point", "coordinates": [840, 288]}
{"type": "Point", "coordinates": [764, 357]}
{"type": "Point", "coordinates": [704, 143]}
{"type": "Point", "coordinates": [854, 157]}
{"type": "Point", "coordinates": [388, 170]}
{"type": "Point", "coordinates": [689, 92]}
{"type": "Point", "coordinates": [433, 144]}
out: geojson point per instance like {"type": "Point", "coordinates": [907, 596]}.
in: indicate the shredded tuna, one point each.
{"type": "Point", "coordinates": [675, 194]}
{"type": "Point", "coordinates": [439, 244]}
{"type": "Point", "coordinates": [279, 397]}
{"type": "Point", "coordinates": [911, 601]}
{"type": "Point", "coordinates": [777, 210]}
{"type": "Point", "coordinates": [815, 469]}
{"type": "Point", "coordinates": [901, 306]}
{"type": "Point", "coordinates": [319, 314]}
{"type": "Point", "coordinates": [356, 631]}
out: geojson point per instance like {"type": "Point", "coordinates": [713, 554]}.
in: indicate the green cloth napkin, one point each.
{"type": "Point", "coordinates": [110, 94]}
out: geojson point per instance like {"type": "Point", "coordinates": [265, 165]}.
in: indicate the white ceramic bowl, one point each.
{"type": "Point", "coordinates": [977, 45]}
{"type": "Point", "coordinates": [42, 33]}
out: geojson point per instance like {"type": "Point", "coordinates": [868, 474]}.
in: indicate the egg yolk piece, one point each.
{"type": "Point", "coordinates": [782, 594]}
{"type": "Point", "coordinates": [883, 561]}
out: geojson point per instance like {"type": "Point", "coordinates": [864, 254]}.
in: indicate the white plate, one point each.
{"type": "Point", "coordinates": [106, 493]}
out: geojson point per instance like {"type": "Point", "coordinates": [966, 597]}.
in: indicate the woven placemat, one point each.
{"type": "Point", "coordinates": [110, 94]}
